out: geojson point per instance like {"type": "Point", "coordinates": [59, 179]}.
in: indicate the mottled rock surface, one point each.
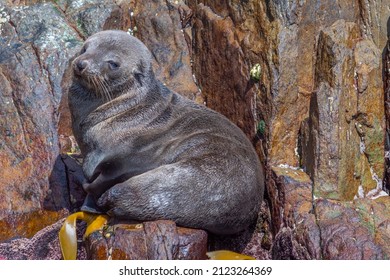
{"type": "Point", "coordinates": [318, 115]}
{"type": "Point", "coordinates": [344, 150]}
{"type": "Point", "coordinates": [44, 245]}
{"type": "Point", "coordinates": [354, 230]}
{"type": "Point", "coordinates": [34, 55]}
{"type": "Point", "coordinates": [158, 240]}
{"type": "Point", "coordinates": [297, 235]}
{"type": "Point", "coordinates": [159, 25]}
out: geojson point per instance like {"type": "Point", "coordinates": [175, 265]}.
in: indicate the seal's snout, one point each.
{"type": "Point", "coordinates": [81, 65]}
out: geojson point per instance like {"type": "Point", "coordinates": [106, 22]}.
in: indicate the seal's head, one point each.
{"type": "Point", "coordinates": [112, 62]}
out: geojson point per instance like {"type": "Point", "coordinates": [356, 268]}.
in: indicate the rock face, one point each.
{"type": "Point", "coordinates": [318, 114]}
{"type": "Point", "coordinates": [357, 230]}
{"type": "Point", "coordinates": [345, 146]}
{"type": "Point", "coordinates": [34, 56]}
{"type": "Point", "coordinates": [297, 235]}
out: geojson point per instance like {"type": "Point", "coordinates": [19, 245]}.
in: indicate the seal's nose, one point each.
{"type": "Point", "coordinates": [81, 65]}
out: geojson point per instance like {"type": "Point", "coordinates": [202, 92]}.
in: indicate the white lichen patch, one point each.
{"type": "Point", "coordinates": [77, 4]}
{"type": "Point", "coordinates": [255, 72]}
{"type": "Point", "coordinates": [19, 8]}
{"type": "Point", "coordinates": [286, 166]}
{"type": "Point", "coordinates": [380, 194]}
{"type": "Point", "coordinates": [4, 17]}
{"type": "Point", "coordinates": [360, 191]}
{"type": "Point", "coordinates": [57, 34]}
{"type": "Point", "coordinates": [176, 2]}
{"type": "Point", "coordinates": [331, 101]}
{"type": "Point", "coordinates": [296, 149]}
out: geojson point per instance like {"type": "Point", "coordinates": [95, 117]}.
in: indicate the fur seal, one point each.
{"type": "Point", "coordinates": [150, 153]}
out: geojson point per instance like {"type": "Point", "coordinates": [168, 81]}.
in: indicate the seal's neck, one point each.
{"type": "Point", "coordinates": [149, 96]}
{"type": "Point", "coordinates": [144, 90]}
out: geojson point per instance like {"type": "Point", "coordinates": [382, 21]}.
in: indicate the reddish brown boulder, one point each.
{"type": "Point", "coordinates": [159, 25]}
{"type": "Point", "coordinates": [159, 240]}
{"type": "Point", "coordinates": [297, 235]}
{"type": "Point", "coordinates": [354, 230]}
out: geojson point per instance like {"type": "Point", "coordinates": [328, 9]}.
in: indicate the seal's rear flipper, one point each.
{"type": "Point", "coordinates": [90, 206]}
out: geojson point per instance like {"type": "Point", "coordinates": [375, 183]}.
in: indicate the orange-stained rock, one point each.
{"type": "Point", "coordinates": [306, 227]}
{"type": "Point", "coordinates": [33, 58]}
{"type": "Point", "coordinates": [299, 23]}
{"type": "Point", "coordinates": [223, 73]}
{"type": "Point", "coordinates": [228, 40]}
{"type": "Point", "coordinates": [44, 245]}
{"type": "Point", "coordinates": [159, 25]}
{"type": "Point", "coordinates": [27, 224]}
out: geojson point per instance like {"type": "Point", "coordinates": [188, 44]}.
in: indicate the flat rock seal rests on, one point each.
{"type": "Point", "coordinates": [150, 153]}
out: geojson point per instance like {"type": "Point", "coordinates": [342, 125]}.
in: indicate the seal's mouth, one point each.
{"type": "Point", "coordinates": [94, 84]}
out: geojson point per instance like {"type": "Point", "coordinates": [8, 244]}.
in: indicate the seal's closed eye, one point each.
{"type": "Point", "coordinates": [113, 65]}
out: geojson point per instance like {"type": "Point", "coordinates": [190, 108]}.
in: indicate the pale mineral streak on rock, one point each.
{"type": "Point", "coordinates": [360, 193]}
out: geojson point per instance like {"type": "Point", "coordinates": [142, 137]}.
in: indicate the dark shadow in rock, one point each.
{"type": "Point", "coordinates": [65, 183]}
{"type": "Point", "coordinates": [286, 248]}
{"type": "Point", "coordinates": [236, 242]}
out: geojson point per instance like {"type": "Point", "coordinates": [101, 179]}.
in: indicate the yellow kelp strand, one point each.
{"type": "Point", "coordinates": [68, 235]}
{"type": "Point", "coordinates": [227, 255]}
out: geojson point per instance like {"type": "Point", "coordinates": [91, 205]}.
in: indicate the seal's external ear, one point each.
{"type": "Point", "coordinates": [139, 72]}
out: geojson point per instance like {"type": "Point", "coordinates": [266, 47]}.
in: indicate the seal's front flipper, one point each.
{"type": "Point", "coordinates": [90, 206]}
